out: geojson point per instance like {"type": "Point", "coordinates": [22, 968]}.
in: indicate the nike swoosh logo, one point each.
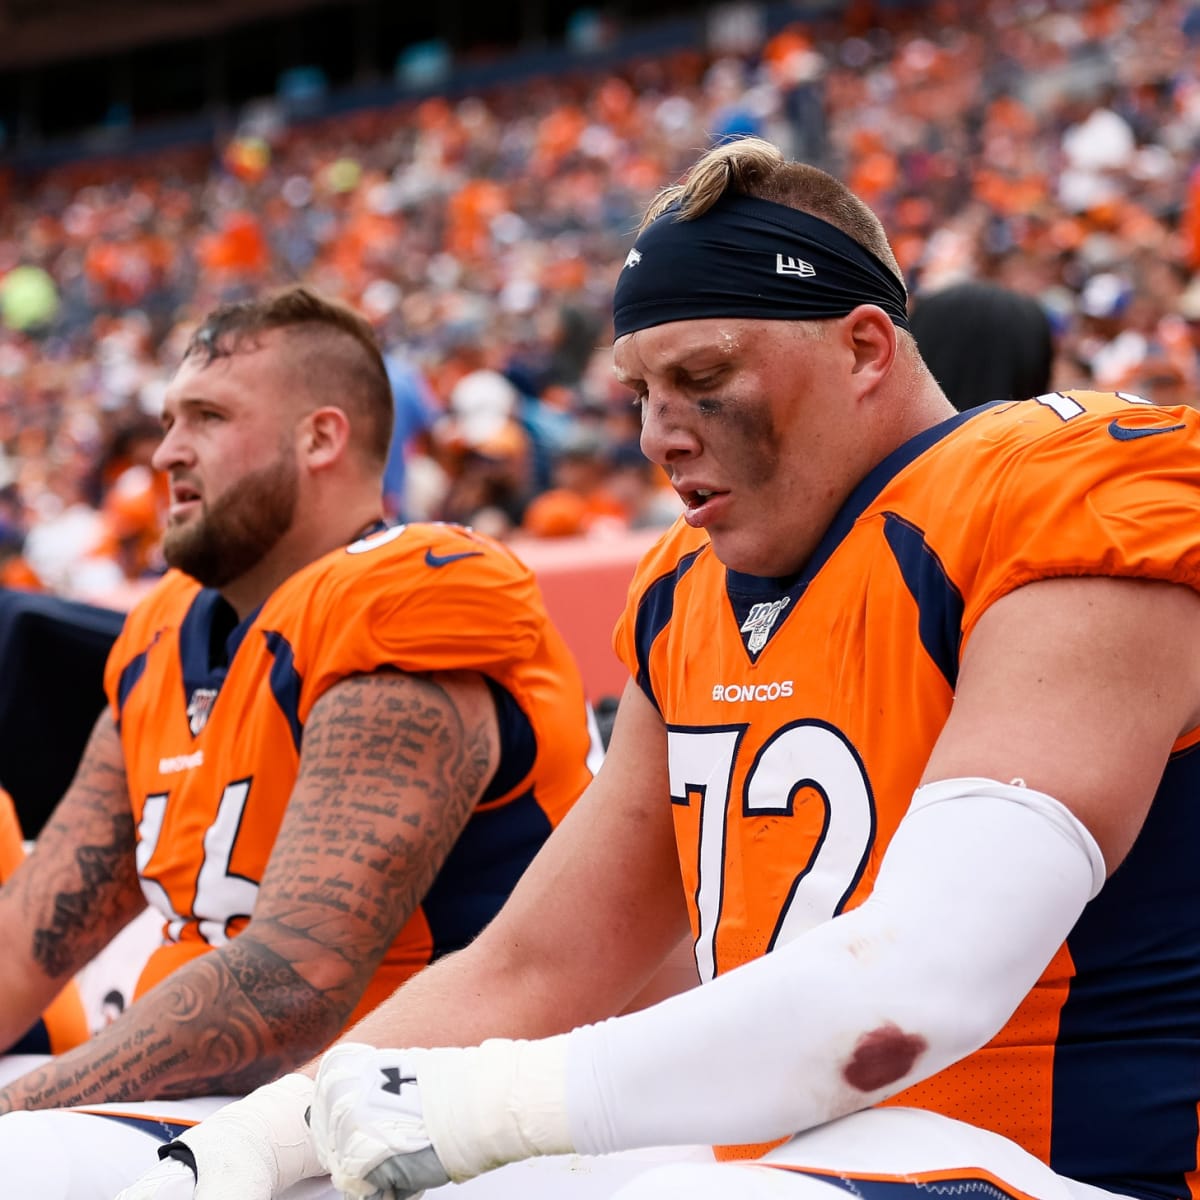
{"type": "Point", "coordinates": [1124, 433]}
{"type": "Point", "coordinates": [440, 560]}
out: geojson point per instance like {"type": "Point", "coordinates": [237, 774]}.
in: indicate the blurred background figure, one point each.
{"type": "Point", "coordinates": [984, 342]}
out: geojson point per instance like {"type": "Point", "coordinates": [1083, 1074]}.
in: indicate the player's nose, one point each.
{"type": "Point", "coordinates": [666, 433]}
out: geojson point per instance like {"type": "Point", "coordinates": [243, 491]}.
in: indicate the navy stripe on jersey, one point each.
{"type": "Point", "coordinates": [35, 1040]}
{"type": "Point", "coordinates": [518, 743]}
{"type": "Point", "coordinates": [939, 602]}
{"type": "Point", "coordinates": [285, 682]}
{"type": "Point", "coordinates": [134, 669]}
{"type": "Point", "coordinates": [860, 499]}
{"type": "Point", "coordinates": [963, 1187]}
{"type": "Point", "coordinates": [209, 637]}
{"type": "Point", "coordinates": [158, 1128]}
{"type": "Point", "coordinates": [491, 854]}
{"type": "Point", "coordinates": [1124, 1113]}
{"type": "Point", "coordinates": [654, 614]}
{"type": "Point", "coordinates": [195, 642]}
{"type": "Point", "coordinates": [744, 590]}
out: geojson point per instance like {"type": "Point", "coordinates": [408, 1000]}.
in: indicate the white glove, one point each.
{"type": "Point", "coordinates": [170, 1180]}
{"type": "Point", "coordinates": [253, 1149]}
{"type": "Point", "coordinates": [389, 1123]}
{"type": "Point", "coordinates": [368, 1127]}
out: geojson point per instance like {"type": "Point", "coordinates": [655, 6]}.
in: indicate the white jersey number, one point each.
{"type": "Point", "coordinates": [220, 896]}
{"type": "Point", "coordinates": [804, 755]}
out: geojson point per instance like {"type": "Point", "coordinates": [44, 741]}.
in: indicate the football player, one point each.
{"type": "Point", "coordinates": [330, 748]}
{"type": "Point", "coordinates": [913, 717]}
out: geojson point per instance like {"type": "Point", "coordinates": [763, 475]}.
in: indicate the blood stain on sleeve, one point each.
{"type": "Point", "coordinates": [883, 1056]}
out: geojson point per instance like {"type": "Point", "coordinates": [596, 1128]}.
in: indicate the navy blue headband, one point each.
{"type": "Point", "coordinates": [747, 257]}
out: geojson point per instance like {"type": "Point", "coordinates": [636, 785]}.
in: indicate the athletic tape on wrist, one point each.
{"type": "Point", "coordinates": [488, 1105]}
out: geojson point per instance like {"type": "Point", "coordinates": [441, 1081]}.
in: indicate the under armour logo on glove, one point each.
{"type": "Point", "coordinates": [393, 1079]}
{"type": "Point", "coordinates": [368, 1127]}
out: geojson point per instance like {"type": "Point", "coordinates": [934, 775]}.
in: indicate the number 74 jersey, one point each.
{"type": "Point", "coordinates": [801, 712]}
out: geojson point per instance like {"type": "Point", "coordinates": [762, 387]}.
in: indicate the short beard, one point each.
{"type": "Point", "coordinates": [235, 533]}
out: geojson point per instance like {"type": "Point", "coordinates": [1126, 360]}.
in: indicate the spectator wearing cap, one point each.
{"type": "Point", "coordinates": [485, 453]}
{"type": "Point", "coordinates": [1161, 381]}
{"type": "Point", "coordinates": [1105, 342]}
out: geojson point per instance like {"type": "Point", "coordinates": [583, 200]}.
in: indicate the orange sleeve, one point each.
{"type": "Point", "coordinates": [167, 600]}
{"type": "Point", "coordinates": [651, 588]}
{"type": "Point", "coordinates": [1130, 509]}
{"type": "Point", "coordinates": [436, 598]}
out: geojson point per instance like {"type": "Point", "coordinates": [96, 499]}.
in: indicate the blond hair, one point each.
{"type": "Point", "coordinates": [754, 167]}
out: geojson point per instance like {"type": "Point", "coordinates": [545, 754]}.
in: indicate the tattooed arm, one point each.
{"type": "Point", "coordinates": [76, 890]}
{"type": "Point", "coordinates": [390, 768]}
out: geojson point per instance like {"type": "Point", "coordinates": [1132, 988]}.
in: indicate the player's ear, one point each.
{"type": "Point", "coordinates": [324, 435]}
{"type": "Point", "coordinates": [873, 341]}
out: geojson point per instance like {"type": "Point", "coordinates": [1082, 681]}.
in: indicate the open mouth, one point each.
{"type": "Point", "coordinates": [698, 497]}
{"type": "Point", "coordinates": [702, 506]}
{"type": "Point", "coordinates": [183, 497]}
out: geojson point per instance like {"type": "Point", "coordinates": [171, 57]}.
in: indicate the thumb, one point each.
{"type": "Point", "coordinates": [170, 1180]}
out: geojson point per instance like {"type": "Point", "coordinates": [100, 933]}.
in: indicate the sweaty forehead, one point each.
{"type": "Point", "coordinates": [682, 345]}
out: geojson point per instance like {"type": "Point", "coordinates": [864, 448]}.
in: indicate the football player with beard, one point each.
{"type": "Point", "coordinates": [330, 749]}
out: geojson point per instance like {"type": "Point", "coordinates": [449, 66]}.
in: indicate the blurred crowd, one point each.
{"type": "Point", "coordinates": [1048, 147]}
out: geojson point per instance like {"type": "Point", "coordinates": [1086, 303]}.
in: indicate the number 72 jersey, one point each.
{"type": "Point", "coordinates": [801, 712]}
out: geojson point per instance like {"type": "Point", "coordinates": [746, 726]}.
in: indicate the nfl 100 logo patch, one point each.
{"type": "Point", "coordinates": [760, 621]}
{"type": "Point", "coordinates": [199, 707]}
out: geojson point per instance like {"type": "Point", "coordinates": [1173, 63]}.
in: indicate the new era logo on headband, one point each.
{"type": "Point", "coordinates": [793, 266]}
{"type": "Point", "coordinates": [719, 264]}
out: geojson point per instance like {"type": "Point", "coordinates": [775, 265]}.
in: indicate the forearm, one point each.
{"type": "Point", "coordinates": [223, 1024]}
{"type": "Point", "coordinates": [588, 925]}
{"type": "Point", "coordinates": [979, 886]}
{"type": "Point", "coordinates": [76, 890]}
{"type": "Point", "coordinates": [459, 1001]}
{"type": "Point", "coordinates": [978, 889]}
{"type": "Point", "coordinates": [530, 977]}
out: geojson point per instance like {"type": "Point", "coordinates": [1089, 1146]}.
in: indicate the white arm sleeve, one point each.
{"type": "Point", "coordinates": [978, 889]}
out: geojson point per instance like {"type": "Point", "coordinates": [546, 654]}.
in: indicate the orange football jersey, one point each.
{"type": "Point", "coordinates": [801, 713]}
{"type": "Point", "coordinates": [212, 742]}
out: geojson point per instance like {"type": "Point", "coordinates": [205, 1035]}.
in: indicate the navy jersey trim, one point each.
{"type": "Point", "coordinates": [939, 602]}
{"type": "Point", "coordinates": [961, 1187]}
{"type": "Point", "coordinates": [1124, 1110]}
{"type": "Point", "coordinates": [209, 637]}
{"type": "Point", "coordinates": [133, 670]}
{"type": "Point", "coordinates": [518, 743]}
{"type": "Point", "coordinates": [654, 613]}
{"type": "Point", "coordinates": [482, 868]}
{"type": "Point", "coordinates": [195, 640]}
{"type": "Point", "coordinates": [35, 1040]}
{"type": "Point", "coordinates": [285, 682]}
{"type": "Point", "coordinates": [743, 590]}
{"type": "Point", "coordinates": [158, 1128]}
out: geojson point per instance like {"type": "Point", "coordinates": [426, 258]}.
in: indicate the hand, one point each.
{"type": "Point", "coordinates": [170, 1180]}
{"type": "Point", "coordinates": [368, 1127]}
{"type": "Point", "coordinates": [253, 1149]}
